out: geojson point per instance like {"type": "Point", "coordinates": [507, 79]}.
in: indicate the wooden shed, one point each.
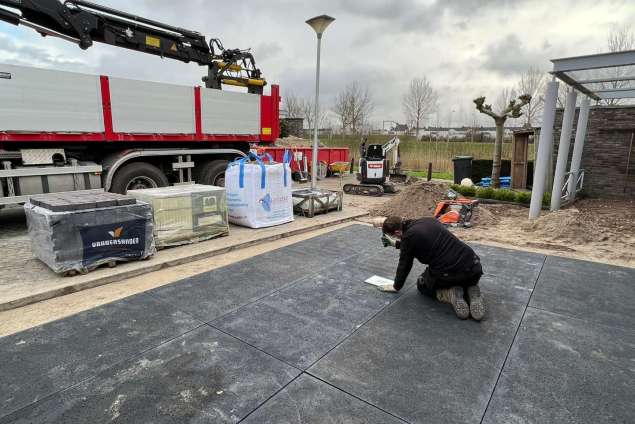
{"type": "Point", "coordinates": [520, 156]}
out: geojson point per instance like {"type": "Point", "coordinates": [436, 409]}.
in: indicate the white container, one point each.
{"type": "Point", "coordinates": [259, 193]}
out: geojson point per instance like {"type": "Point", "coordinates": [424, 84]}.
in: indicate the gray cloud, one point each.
{"type": "Point", "coordinates": [29, 54]}
{"type": "Point", "coordinates": [509, 56]}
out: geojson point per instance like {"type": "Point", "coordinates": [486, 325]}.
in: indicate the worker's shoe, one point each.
{"type": "Point", "coordinates": [454, 296]}
{"type": "Point", "coordinates": [477, 303]}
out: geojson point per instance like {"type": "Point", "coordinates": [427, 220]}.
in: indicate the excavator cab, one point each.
{"type": "Point", "coordinates": [374, 171]}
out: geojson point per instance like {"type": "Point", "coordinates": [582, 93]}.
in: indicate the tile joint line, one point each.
{"type": "Point", "coordinates": [520, 323]}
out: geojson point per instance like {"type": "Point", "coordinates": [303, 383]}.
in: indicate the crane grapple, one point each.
{"type": "Point", "coordinates": [84, 23]}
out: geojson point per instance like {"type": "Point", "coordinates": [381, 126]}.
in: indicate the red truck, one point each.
{"type": "Point", "coordinates": [62, 131]}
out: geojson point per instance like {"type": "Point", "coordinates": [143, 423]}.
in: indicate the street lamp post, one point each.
{"type": "Point", "coordinates": [319, 25]}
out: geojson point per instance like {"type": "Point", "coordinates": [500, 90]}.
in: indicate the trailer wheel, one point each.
{"type": "Point", "coordinates": [212, 173]}
{"type": "Point", "coordinates": [138, 176]}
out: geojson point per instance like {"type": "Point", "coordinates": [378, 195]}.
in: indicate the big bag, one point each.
{"type": "Point", "coordinates": [259, 193]}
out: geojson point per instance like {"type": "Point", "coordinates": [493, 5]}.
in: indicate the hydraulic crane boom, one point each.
{"type": "Point", "coordinates": [84, 23]}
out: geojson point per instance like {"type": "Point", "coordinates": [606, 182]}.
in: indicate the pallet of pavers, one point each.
{"type": "Point", "coordinates": [186, 214]}
{"type": "Point", "coordinates": [76, 232]}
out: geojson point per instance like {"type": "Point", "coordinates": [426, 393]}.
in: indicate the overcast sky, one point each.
{"type": "Point", "coordinates": [467, 48]}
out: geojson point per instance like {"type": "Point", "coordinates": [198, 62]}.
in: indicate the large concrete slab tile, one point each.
{"type": "Point", "coordinates": [302, 322]}
{"type": "Point", "coordinates": [509, 273]}
{"type": "Point", "coordinates": [417, 361]}
{"type": "Point", "coordinates": [212, 294]}
{"type": "Point", "coordinates": [563, 370]}
{"type": "Point", "coordinates": [202, 377]}
{"type": "Point", "coordinates": [310, 401]}
{"type": "Point", "coordinates": [46, 359]}
{"type": "Point", "coordinates": [594, 292]}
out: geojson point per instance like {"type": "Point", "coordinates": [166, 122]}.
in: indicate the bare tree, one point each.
{"type": "Point", "coordinates": [341, 109]}
{"type": "Point", "coordinates": [419, 101]}
{"type": "Point", "coordinates": [619, 39]}
{"type": "Point", "coordinates": [293, 105]}
{"type": "Point", "coordinates": [353, 106]}
{"type": "Point", "coordinates": [513, 110]}
{"type": "Point", "coordinates": [532, 82]}
{"type": "Point", "coordinates": [307, 108]}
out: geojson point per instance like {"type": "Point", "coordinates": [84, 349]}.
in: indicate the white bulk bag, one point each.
{"type": "Point", "coordinates": [259, 193]}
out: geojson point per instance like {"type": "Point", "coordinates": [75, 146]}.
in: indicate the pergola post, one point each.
{"type": "Point", "coordinates": [544, 149]}
{"type": "Point", "coordinates": [563, 149]}
{"type": "Point", "coordinates": [578, 147]}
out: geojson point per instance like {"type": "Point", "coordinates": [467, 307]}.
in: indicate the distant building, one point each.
{"type": "Point", "coordinates": [400, 129]}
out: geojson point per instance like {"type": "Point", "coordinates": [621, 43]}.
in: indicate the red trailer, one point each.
{"type": "Point", "coordinates": [327, 155]}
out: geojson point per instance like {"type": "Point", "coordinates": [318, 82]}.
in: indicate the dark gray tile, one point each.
{"type": "Point", "coordinates": [417, 361]}
{"type": "Point", "coordinates": [563, 370]}
{"type": "Point", "coordinates": [594, 292]}
{"type": "Point", "coordinates": [204, 376]}
{"type": "Point", "coordinates": [212, 294]}
{"type": "Point", "coordinates": [49, 358]}
{"type": "Point", "coordinates": [509, 273]}
{"type": "Point", "coordinates": [303, 321]}
{"type": "Point", "coordinates": [310, 401]}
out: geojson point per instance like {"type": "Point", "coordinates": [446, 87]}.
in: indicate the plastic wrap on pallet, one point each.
{"type": "Point", "coordinates": [186, 214]}
{"type": "Point", "coordinates": [259, 191]}
{"type": "Point", "coordinates": [82, 240]}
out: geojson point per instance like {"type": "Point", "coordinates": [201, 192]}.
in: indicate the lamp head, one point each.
{"type": "Point", "coordinates": [320, 23]}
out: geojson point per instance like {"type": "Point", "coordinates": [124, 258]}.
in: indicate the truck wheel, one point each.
{"type": "Point", "coordinates": [212, 173]}
{"type": "Point", "coordinates": [138, 176]}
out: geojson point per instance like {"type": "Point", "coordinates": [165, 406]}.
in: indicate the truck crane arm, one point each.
{"type": "Point", "coordinates": [83, 23]}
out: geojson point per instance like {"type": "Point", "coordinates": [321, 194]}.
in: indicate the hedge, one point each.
{"type": "Point", "coordinates": [505, 195]}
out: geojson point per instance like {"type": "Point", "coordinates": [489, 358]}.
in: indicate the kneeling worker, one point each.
{"type": "Point", "coordinates": [453, 271]}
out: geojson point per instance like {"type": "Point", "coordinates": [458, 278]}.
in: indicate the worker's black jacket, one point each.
{"type": "Point", "coordinates": [431, 244]}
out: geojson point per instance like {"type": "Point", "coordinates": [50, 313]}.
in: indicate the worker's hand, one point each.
{"type": "Point", "coordinates": [388, 241]}
{"type": "Point", "coordinates": [388, 288]}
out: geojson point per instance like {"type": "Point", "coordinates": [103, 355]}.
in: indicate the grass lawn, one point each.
{"type": "Point", "coordinates": [436, 175]}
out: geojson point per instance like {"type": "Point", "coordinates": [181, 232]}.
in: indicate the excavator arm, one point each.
{"type": "Point", "coordinates": [83, 22]}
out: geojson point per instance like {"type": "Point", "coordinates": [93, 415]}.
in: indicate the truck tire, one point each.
{"type": "Point", "coordinates": [212, 173]}
{"type": "Point", "coordinates": [138, 176]}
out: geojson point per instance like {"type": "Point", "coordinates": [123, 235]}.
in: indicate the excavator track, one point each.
{"type": "Point", "coordinates": [364, 190]}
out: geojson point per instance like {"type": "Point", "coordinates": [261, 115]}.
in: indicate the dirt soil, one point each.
{"type": "Point", "coordinates": [419, 198]}
{"type": "Point", "coordinates": [592, 229]}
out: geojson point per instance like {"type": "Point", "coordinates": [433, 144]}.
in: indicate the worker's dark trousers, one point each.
{"type": "Point", "coordinates": [430, 281]}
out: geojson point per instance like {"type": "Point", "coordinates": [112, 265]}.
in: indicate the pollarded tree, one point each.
{"type": "Point", "coordinates": [513, 110]}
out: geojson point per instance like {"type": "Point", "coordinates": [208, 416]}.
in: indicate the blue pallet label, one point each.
{"type": "Point", "coordinates": [123, 240]}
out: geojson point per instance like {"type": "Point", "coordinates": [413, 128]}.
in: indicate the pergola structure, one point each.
{"type": "Point", "coordinates": [596, 77]}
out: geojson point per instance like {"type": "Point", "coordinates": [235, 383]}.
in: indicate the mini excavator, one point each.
{"type": "Point", "coordinates": [375, 175]}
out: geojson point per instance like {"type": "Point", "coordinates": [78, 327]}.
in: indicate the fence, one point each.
{"type": "Point", "coordinates": [416, 155]}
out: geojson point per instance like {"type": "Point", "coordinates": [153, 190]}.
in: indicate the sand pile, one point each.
{"type": "Point", "coordinates": [483, 217]}
{"type": "Point", "coordinates": [589, 221]}
{"type": "Point", "coordinates": [414, 201]}
{"type": "Point", "coordinates": [564, 225]}
{"type": "Point", "coordinates": [420, 199]}
{"type": "Point", "coordinates": [292, 141]}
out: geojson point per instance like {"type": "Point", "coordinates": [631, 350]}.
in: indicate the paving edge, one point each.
{"type": "Point", "coordinates": [85, 285]}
